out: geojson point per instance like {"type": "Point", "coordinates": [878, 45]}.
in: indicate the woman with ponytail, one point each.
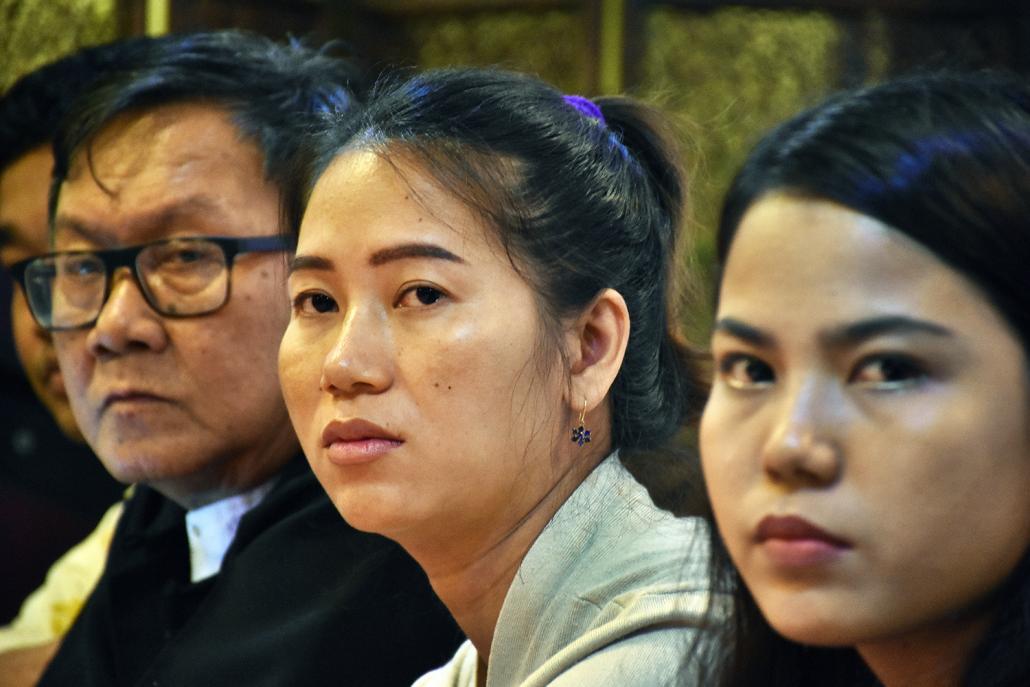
{"type": "Point", "coordinates": [481, 339]}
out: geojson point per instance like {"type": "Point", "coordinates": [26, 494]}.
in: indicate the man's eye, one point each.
{"type": "Point", "coordinates": [82, 267]}
{"type": "Point", "coordinates": [745, 371]}
{"type": "Point", "coordinates": [888, 371]}
{"type": "Point", "coordinates": [186, 256]}
{"type": "Point", "coordinates": [418, 296]}
{"type": "Point", "coordinates": [314, 302]}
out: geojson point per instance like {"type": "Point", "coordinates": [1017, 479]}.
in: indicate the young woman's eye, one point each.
{"type": "Point", "coordinates": [888, 371]}
{"type": "Point", "coordinates": [313, 303]}
{"type": "Point", "coordinates": [745, 371]}
{"type": "Point", "coordinates": [420, 296]}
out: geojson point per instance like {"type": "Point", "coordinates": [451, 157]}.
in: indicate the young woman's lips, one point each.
{"type": "Point", "coordinates": [357, 441]}
{"type": "Point", "coordinates": [793, 542]}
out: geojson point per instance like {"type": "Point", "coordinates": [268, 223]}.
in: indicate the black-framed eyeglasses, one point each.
{"type": "Point", "coordinates": [179, 277]}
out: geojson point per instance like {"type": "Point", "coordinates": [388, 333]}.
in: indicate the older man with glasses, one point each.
{"type": "Point", "coordinates": [165, 296]}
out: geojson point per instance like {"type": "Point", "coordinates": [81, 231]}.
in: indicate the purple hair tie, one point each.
{"type": "Point", "coordinates": [585, 107]}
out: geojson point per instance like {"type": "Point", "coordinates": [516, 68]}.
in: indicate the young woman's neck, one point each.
{"type": "Point", "coordinates": [936, 657]}
{"type": "Point", "coordinates": [472, 577]}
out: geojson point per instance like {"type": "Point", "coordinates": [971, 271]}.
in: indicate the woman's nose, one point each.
{"type": "Point", "coordinates": [360, 360]}
{"type": "Point", "coordinates": [804, 447]}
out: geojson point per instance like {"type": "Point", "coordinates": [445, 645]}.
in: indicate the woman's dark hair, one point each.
{"type": "Point", "coordinates": [578, 203]}
{"type": "Point", "coordinates": [944, 159]}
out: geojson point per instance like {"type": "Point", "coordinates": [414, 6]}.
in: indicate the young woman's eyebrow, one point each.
{"type": "Point", "coordinates": [863, 330]}
{"type": "Point", "coordinates": [745, 332]}
{"type": "Point", "coordinates": [299, 263]}
{"type": "Point", "coordinates": [412, 250]}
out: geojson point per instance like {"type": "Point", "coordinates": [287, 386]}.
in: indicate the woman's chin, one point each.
{"type": "Point", "coordinates": [815, 626]}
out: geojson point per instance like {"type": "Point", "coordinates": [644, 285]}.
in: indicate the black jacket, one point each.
{"type": "Point", "coordinates": [302, 599]}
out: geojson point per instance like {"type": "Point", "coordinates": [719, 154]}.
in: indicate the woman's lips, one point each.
{"type": "Point", "coordinates": [357, 441]}
{"type": "Point", "coordinates": [793, 542]}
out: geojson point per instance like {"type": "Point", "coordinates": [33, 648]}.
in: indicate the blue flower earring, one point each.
{"type": "Point", "coordinates": [581, 435]}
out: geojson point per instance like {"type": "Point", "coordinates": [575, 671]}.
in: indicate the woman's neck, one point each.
{"type": "Point", "coordinates": [936, 657]}
{"type": "Point", "coordinates": [473, 577]}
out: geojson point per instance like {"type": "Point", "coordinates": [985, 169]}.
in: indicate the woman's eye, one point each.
{"type": "Point", "coordinates": [420, 296]}
{"type": "Point", "coordinates": [745, 371]}
{"type": "Point", "coordinates": [314, 303]}
{"type": "Point", "coordinates": [888, 371]}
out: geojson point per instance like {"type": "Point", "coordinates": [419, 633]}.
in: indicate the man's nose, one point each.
{"type": "Point", "coordinates": [360, 359]}
{"type": "Point", "coordinates": [126, 321]}
{"type": "Point", "coordinates": [804, 448]}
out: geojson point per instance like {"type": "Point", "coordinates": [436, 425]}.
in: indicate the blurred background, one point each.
{"type": "Point", "coordinates": [725, 71]}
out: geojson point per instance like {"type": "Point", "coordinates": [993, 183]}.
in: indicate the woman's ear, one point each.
{"type": "Point", "coordinates": [596, 345]}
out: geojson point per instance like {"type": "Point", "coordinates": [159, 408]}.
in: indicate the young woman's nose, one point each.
{"type": "Point", "coordinates": [126, 321]}
{"type": "Point", "coordinates": [359, 360]}
{"type": "Point", "coordinates": [803, 447]}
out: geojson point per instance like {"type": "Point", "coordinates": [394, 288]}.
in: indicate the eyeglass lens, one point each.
{"type": "Point", "coordinates": [179, 277]}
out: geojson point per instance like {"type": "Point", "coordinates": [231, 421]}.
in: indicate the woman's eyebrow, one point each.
{"type": "Point", "coordinates": [412, 250]}
{"type": "Point", "coordinates": [863, 330]}
{"type": "Point", "coordinates": [745, 332]}
{"type": "Point", "coordinates": [300, 263]}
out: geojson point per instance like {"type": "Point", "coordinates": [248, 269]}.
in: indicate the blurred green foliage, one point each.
{"type": "Point", "coordinates": [548, 43]}
{"type": "Point", "coordinates": [726, 76]}
{"type": "Point", "coordinates": [34, 32]}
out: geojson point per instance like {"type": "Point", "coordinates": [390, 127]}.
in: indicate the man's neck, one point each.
{"type": "Point", "coordinates": [211, 529]}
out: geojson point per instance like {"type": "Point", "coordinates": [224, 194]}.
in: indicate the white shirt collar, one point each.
{"type": "Point", "coordinates": [211, 529]}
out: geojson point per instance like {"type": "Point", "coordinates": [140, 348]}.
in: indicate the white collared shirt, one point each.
{"type": "Point", "coordinates": [211, 529]}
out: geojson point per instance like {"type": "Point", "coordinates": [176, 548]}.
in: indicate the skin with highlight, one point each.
{"type": "Point", "coordinates": [422, 395]}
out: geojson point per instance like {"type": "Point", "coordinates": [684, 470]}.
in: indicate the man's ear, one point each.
{"type": "Point", "coordinates": [596, 346]}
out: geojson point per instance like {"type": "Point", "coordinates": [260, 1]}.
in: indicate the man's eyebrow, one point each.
{"type": "Point", "coordinates": [154, 222]}
{"type": "Point", "coordinates": [310, 262]}
{"type": "Point", "coordinates": [412, 250]}
{"type": "Point", "coordinates": [745, 332]}
{"type": "Point", "coordinates": [81, 229]}
{"type": "Point", "coordinates": [863, 330]}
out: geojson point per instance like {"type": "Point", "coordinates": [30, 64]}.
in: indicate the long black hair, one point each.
{"type": "Point", "coordinates": [944, 159]}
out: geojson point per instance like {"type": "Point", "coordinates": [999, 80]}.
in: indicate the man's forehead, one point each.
{"type": "Point", "coordinates": [159, 172]}
{"type": "Point", "coordinates": [168, 138]}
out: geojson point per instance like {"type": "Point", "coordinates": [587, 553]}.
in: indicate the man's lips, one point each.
{"type": "Point", "coordinates": [54, 380]}
{"type": "Point", "coordinates": [355, 441]}
{"type": "Point", "coordinates": [129, 396]}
